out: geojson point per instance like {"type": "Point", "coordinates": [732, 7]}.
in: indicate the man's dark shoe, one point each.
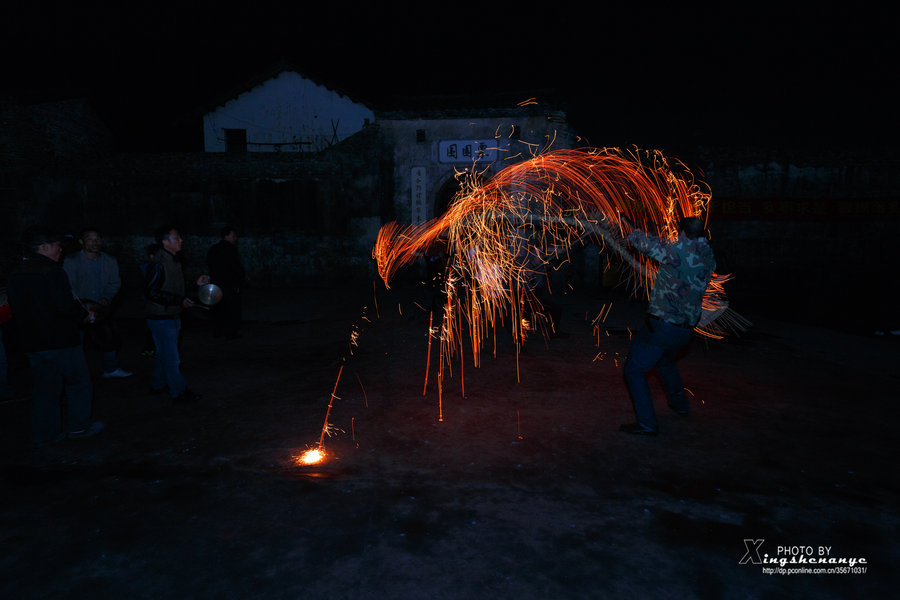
{"type": "Point", "coordinates": [187, 396]}
{"type": "Point", "coordinates": [154, 391]}
{"type": "Point", "coordinates": [679, 410]}
{"type": "Point", "coordinates": [43, 443]}
{"type": "Point", "coordinates": [92, 430]}
{"type": "Point", "coordinates": [638, 429]}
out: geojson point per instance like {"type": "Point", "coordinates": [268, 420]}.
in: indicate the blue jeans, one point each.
{"type": "Point", "coordinates": [657, 347]}
{"type": "Point", "coordinates": [51, 371]}
{"type": "Point", "coordinates": [110, 359]}
{"type": "Point", "coordinates": [167, 370]}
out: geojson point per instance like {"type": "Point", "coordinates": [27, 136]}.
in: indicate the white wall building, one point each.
{"type": "Point", "coordinates": [285, 113]}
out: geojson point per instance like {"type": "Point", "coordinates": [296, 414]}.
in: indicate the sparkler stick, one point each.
{"type": "Point", "coordinates": [365, 396]}
{"type": "Point", "coordinates": [462, 375]}
{"type": "Point", "coordinates": [328, 412]}
{"type": "Point", "coordinates": [440, 394]}
{"type": "Point", "coordinates": [375, 298]}
{"type": "Point", "coordinates": [317, 454]}
{"type": "Point", "coordinates": [428, 360]}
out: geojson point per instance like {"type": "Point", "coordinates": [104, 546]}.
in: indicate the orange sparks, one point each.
{"type": "Point", "coordinates": [501, 232]}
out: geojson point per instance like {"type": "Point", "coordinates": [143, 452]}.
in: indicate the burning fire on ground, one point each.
{"type": "Point", "coordinates": [310, 457]}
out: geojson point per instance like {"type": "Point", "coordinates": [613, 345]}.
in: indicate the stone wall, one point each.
{"type": "Point", "coordinates": [808, 236]}
{"type": "Point", "coordinates": [756, 172]}
{"type": "Point", "coordinates": [301, 218]}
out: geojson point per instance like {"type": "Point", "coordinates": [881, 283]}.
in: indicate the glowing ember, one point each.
{"type": "Point", "coordinates": [311, 457]}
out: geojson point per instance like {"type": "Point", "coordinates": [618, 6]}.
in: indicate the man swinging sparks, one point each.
{"type": "Point", "coordinates": [566, 197]}
{"type": "Point", "coordinates": [686, 266]}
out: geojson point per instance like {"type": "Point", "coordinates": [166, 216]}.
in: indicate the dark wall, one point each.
{"type": "Point", "coordinates": [808, 236]}
{"type": "Point", "coordinates": [317, 205]}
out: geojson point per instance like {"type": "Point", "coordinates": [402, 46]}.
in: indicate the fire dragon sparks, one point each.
{"type": "Point", "coordinates": [500, 233]}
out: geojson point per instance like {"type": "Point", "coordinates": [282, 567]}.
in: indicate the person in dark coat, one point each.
{"type": "Point", "coordinates": [227, 272]}
{"type": "Point", "coordinates": [47, 317]}
{"type": "Point", "coordinates": [166, 293]}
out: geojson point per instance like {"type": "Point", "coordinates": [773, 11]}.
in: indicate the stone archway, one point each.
{"type": "Point", "coordinates": [444, 196]}
{"type": "Point", "coordinates": [445, 193]}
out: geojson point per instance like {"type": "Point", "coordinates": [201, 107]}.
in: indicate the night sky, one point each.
{"type": "Point", "coordinates": [651, 76]}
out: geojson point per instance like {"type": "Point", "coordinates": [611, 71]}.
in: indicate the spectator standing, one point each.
{"type": "Point", "coordinates": [47, 316]}
{"type": "Point", "coordinates": [148, 349]}
{"type": "Point", "coordinates": [94, 277]}
{"type": "Point", "coordinates": [166, 298]}
{"type": "Point", "coordinates": [227, 272]}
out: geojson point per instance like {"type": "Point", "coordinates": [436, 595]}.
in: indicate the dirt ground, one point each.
{"type": "Point", "coordinates": [525, 489]}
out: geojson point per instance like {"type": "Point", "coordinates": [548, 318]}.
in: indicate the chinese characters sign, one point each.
{"type": "Point", "coordinates": [467, 151]}
{"type": "Point", "coordinates": [417, 198]}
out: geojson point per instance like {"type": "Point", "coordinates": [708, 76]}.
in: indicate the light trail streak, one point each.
{"type": "Point", "coordinates": [317, 454]}
{"type": "Point", "coordinates": [375, 298]}
{"type": "Point", "coordinates": [428, 359]}
{"type": "Point", "coordinates": [328, 412]}
{"type": "Point", "coordinates": [502, 232]}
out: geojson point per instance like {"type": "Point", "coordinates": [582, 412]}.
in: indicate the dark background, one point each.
{"type": "Point", "coordinates": [654, 76]}
{"type": "Point", "coordinates": [794, 426]}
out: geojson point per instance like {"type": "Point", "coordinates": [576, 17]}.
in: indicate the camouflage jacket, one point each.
{"type": "Point", "coordinates": [685, 268]}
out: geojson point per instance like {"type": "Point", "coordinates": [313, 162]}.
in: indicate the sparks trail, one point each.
{"type": "Point", "coordinates": [502, 232]}
{"type": "Point", "coordinates": [316, 454]}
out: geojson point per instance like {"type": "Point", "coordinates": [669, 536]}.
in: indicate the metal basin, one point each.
{"type": "Point", "coordinates": [209, 294]}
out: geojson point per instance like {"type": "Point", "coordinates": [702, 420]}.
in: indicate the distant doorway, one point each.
{"type": "Point", "coordinates": [236, 141]}
{"type": "Point", "coordinates": [445, 196]}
